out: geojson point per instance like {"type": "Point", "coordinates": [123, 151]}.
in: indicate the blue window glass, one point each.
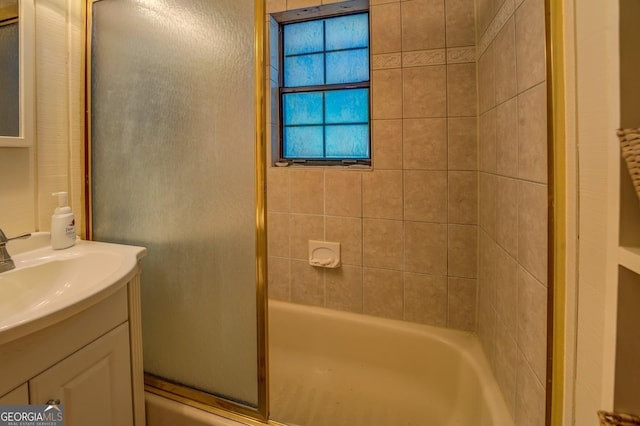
{"type": "Point", "coordinates": [303, 37]}
{"type": "Point", "coordinates": [346, 141]}
{"type": "Point", "coordinates": [304, 142]}
{"type": "Point", "coordinates": [302, 108]}
{"type": "Point", "coordinates": [347, 106]}
{"type": "Point", "coordinates": [304, 70]}
{"type": "Point", "coordinates": [347, 66]}
{"type": "Point", "coordinates": [325, 89]}
{"type": "Point", "coordinates": [347, 32]}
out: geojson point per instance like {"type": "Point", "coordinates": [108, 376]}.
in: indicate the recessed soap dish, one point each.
{"type": "Point", "coordinates": [324, 254]}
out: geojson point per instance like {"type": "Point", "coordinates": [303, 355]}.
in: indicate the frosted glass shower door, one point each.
{"type": "Point", "coordinates": [173, 169]}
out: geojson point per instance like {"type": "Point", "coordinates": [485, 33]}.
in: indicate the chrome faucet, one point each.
{"type": "Point", "coordinates": [6, 263]}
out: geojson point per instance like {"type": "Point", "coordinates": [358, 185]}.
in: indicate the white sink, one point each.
{"type": "Point", "coordinates": [49, 285]}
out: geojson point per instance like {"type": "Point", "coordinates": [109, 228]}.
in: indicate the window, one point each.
{"type": "Point", "coordinates": [324, 90]}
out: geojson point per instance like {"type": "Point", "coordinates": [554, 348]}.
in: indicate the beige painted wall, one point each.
{"type": "Point", "coordinates": [54, 162]}
{"type": "Point", "coordinates": [596, 78]}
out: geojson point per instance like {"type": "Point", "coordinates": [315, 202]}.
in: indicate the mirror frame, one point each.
{"type": "Point", "coordinates": [26, 16]}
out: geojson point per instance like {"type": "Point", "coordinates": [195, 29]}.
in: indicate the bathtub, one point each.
{"type": "Point", "coordinates": [337, 368]}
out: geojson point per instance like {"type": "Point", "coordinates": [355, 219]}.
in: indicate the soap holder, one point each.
{"type": "Point", "coordinates": [324, 254]}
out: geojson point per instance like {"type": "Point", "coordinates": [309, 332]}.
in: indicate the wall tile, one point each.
{"type": "Point", "coordinates": [485, 12]}
{"type": "Point", "coordinates": [425, 299]}
{"type": "Point", "coordinates": [487, 142]}
{"type": "Point", "coordinates": [462, 251]}
{"type": "Point", "coordinates": [507, 138]}
{"type": "Point", "coordinates": [387, 144]}
{"type": "Point", "coordinates": [463, 143]}
{"type": "Point", "coordinates": [487, 327]}
{"type": "Point", "coordinates": [348, 232]}
{"type": "Point", "coordinates": [278, 234]}
{"type": "Point", "coordinates": [273, 6]}
{"type": "Point", "coordinates": [424, 142]}
{"type": "Point", "coordinates": [461, 55]}
{"type": "Point", "coordinates": [307, 283]}
{"type": "Point", "coordinates": [424, 91]}
{"type": "Point", "coordinates": [382, 243]}
{"type": "Point", "coordinates": [460, 23]}
{"type": "Point", "coordinates": [530, 396]}
{"type": "Point", "coordinates": [463, 198]}
{"type": "Point", "coordinates": [423, 24]}
{"type": "Point", "coordinates": [487, 267]}
{"type": "Point", "coordinates": [386, 60]}
{"type": "Point", "coordinates": [419, 58]}
{"type": "Point", "coordinates": [462, 295]}
{"type": "Point", "coordinates": [506, 363]}
{"type": "Point", "coordinates": [382, 194]}
{"type": "Point", "coordinates": [303, 228]}
{"type": "Point", "coordinates": [385, 28]}
{"type": "Point", "coordinates": [532, 134]}
{"type": "Point", "coordinates": [343, 193]}
{"type": "Point", "coordinates": [425, 196]}
{"type": "Point", "coordinates": [532, 229]}
{"type": "Point", "coordinates": [507, 215]}
{"type": "Point", "coordinates": [297, 4]}
{"type": "Point", "coordinates": [307, 195]}
{"type": "Point", "coordinates": [486, 81]}
{"type": "Point", "coordinates": [277, 189]}
{"type": "Point", "coordinates": [487, 203]}
{"type": "Point", "coordinates": [505, 62]}
{"type": "Point", "coordinates": [279, 278]}
{"type": "Point", "coordinates": [425, 248]}
{"type": "Point", "coordinates": [386, 94]}
{"type": "Point", "coordinates": [530, 44]}
{"type": "Point", "coordinates": [461, 90]}
{"type": "Point", "coordinates": [507, 290]}
{"type": "Point", "coordinates": [344, 288]}
{"type": "Point", "coordinates": [532, 322]}
{"type": "Point", "coordinates": [383, 293]}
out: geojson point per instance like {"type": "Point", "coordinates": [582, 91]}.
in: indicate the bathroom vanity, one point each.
{"type": "Point", "coordinates": [76, 339]}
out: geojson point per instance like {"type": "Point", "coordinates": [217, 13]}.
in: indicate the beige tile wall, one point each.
{"type": "Point", "coordinates": [513, 200]}
{"type": "Point", "coordinates": [408, 227]}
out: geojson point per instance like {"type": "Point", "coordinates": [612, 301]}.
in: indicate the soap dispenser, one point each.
{"type": "Point", "coordinates": [63, 224]}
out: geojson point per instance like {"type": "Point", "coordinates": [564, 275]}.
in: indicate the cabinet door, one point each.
{"type": "Point", "coordinates": [93, 384]}
{"type": "Point", "coordinates": [18, 396]}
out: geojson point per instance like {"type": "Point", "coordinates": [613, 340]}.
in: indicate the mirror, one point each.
{"type": "Point", "coordinates": [9, 68]}
{"type": "Point", "coordinates": [16, 72]}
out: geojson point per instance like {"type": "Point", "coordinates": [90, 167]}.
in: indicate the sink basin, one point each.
{"type": "Point", "coordinates": [50, 285]}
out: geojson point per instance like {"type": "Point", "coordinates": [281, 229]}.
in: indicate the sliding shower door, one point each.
{"type": "Point", "coordinates": [173, 136]}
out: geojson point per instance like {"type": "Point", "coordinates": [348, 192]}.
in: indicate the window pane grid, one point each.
{"type": "Point", "coordinates": [333, 64]}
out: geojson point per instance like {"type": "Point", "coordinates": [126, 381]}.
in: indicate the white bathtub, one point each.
{"type": "Point", "coordinates": [341, 369]}
{"type": "Point", "coordinates": [337, 368]}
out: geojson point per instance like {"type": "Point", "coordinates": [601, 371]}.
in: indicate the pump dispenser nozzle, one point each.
{"type": "Point", "coordinates": [63, 202]}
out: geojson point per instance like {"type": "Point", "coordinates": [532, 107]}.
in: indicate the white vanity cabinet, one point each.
{"type": "Point", "coordinates": [91, 362]}
{"type": "Point", "coordinates": [95, 382]}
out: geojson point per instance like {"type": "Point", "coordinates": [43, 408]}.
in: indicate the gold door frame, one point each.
{"type": "Point", "coordinates": [180, 393]}
{"type": "Point", "coordinates": [557, 193]}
